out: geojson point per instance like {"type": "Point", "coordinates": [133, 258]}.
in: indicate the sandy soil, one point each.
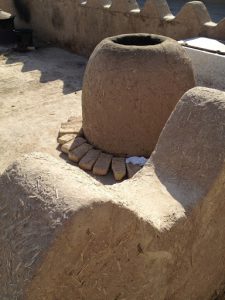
{"type": "Point", "coordinates": [38, 91]}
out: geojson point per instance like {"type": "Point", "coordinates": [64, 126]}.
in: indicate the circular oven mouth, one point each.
{"type": "Point", "coordinates": [138, 40]}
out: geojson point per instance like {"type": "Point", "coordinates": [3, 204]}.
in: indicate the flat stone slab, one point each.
{"type": "Point", "coordinates": [77, 153]}
{"type": "Point", "coordinates": [102, 165]}
{"type": "Point", "coordinates": [132, 169]}
{"type": "Point", "coordinates": [73, 125]}
{"type": "Point", "coordinates": [88, 161]}
{"type": "Point", "coordinates": [65, 138]}
{"type": "Point", "coordinates": [65, 148]}
{"type": "Point", "coordinates": [119, 168]}
{"type": "Point", "coordinates": [78, 142]}
{"type": "Point", "coordinates": [68, 130]}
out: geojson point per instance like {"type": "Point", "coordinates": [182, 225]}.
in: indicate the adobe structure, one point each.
{"type": "Point", "coordinates": [131, 85]}
{"type": "Point", "coordinates": [80, 25]}
{"type": "Point", "coordinates": [131, 80]}
{"type": "Point", "coordinates": [159, 235]}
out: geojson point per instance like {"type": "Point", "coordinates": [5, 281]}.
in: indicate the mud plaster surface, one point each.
{"type": "Point", "coordinates": [38, 91]}
{"type": "Point", "coordinates": [37, 94]}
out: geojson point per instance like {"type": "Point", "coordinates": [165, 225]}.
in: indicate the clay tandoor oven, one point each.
{"type": "Point", "coordinates": [131, 85]}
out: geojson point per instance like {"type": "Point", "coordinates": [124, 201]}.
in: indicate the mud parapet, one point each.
{"type": "Point", "coordinates": [81, 25]}
{"type": "Point", "coordinates": [159, 235]}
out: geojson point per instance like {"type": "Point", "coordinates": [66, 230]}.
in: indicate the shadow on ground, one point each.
{"type": "Point", "coordinates": [53, 64]}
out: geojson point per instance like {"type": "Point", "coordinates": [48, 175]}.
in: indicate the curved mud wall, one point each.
{"type": "Point", "coordinates": [7, 5]}
{"type": "Point", "coordinates": [126, 101]}
{"type": "Point", "coordinates": [81, 25]}
{"type": "Point", "coordinates": [67, 236]}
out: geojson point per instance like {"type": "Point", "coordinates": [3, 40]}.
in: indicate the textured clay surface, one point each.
{"type": "Point", "coordinates": [38, 90]}
{"type": "Point", "coordinates": [131, 85]}
{"type": "Point", "coordinates": [63, 235]}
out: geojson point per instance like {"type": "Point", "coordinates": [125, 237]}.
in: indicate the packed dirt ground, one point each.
{"type": "Point", "coordinates": [38, 90]}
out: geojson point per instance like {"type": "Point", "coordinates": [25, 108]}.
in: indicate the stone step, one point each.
{"type": "Point", "coordinates": [77, 153]}
{"type": "Point", "coordinates": [119, 168]}
{"type": "Point", "coordinates": [102, 165]}
{"type": "Point", "coordinates": [65, 138]}
{"type": "Point", "coordinates": [132, 169]}
{"type": "Point", "coordinates": [88, 161]}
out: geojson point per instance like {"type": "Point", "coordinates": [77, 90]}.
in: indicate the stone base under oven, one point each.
{"type": "Point", "coordinates": [73, 143]}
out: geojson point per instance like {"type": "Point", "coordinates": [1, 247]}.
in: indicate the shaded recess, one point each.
{"type": "Point", "coordinates": [23, 10]}
{"type": "Point", "coordinates": [138, 40]}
